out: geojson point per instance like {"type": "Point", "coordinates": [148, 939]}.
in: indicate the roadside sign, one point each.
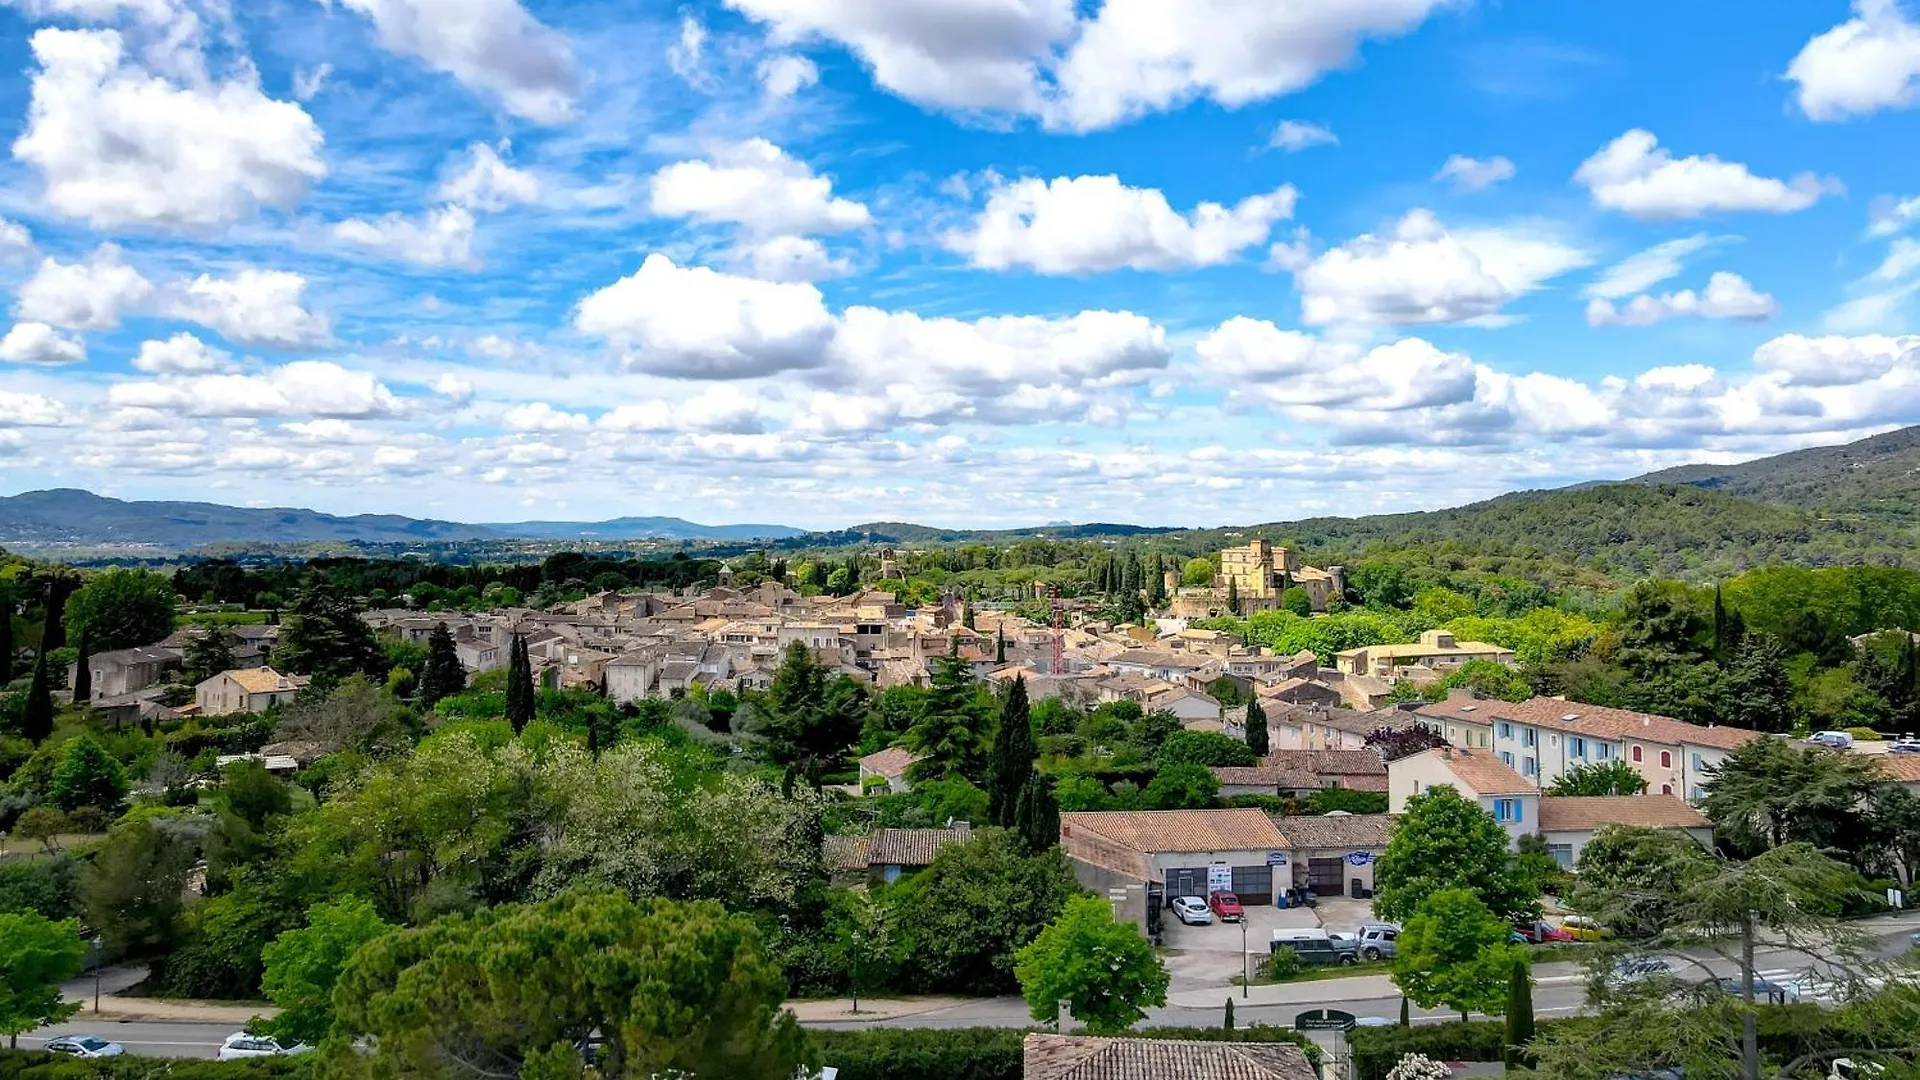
{"type": "Point", "coordinates": [1323, 1020]}
{"type": "Point", "coordinates": [1219, 878]}
{"type": "Point", "coordinates": [1360, 858]}
{"type": "Point", "coordinates": [1276, 858]}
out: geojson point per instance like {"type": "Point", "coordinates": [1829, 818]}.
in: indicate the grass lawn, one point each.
{"type": "Point", "coordinates": [15, 845]}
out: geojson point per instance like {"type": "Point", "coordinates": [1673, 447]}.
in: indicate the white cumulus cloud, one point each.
{"type": "Point", "coordinates": [1294, 136]}
{"type": "Point", "coordinates": [694, 322]}
{"type": "Point", "coordinates": [1473, 174]}
{"type": "Point", "coordinates": [181, 354]}
{"type": "Point", "coordinates": [1634, 174]}
{"type": "Point", "coordinates": [1644, 269]}
{"type": "Point", "coordinates": [786, 74]}
{"type": "Point", "coordinates": [1091, 224]}
{"type": "Point", "coordinates": [1868, 63]}
{"type": "Point", "coordinates": [304, 388]}
{"type": "Point", "coordinates": [90, 295]}
{"type": "Point", "coordinates": [1727, 296]}
{"type": "Point", "coordinates": [493, 46]}
{"type": "Point", "coordinates": [116, 145]}
{"type": "Point", "coordinates": [252, 308]}
{"type": "Point", "coordinates": [1425, 273]}
{"type": "Point", "coordinates": [441, 237]}
{"type": "Point", "coordinates": [757, 185]}
{"type": "Point", "coordinates": [488, 183]}
{"type": "Point", "coordinates": [38, 343]}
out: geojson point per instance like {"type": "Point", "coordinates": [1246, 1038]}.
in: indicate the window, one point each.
{"type": "Point", "coordinates": [1602, 751]}
{"type": "Point", "coordinates": [1506, 730]}
{"type": "Point", "coordinates": [1666, 789]}
{"type": "Point", "coordinates": [1699, 763]}
{"type": "Point", "coordinates": [1506, 759]}
{"type": "Point", "coordinates": [1506, 810]}
{"type": "Point", "coordinates": [1637, 752]}
{"type": "Point", "coordinates": [1562, 854]}
{"type": "Point", "coordinates": [1529, 767]}
{"type": "Point", "coordinates": [1529, 737]}
{"type": "Point", "coordinates": [1666, 761]}
{"type": "Point", "coordinates": [1579, 747]}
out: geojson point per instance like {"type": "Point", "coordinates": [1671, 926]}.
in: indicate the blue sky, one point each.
{"type": "Point", "coordinates": [966, 262]}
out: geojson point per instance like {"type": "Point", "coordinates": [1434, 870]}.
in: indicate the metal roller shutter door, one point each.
{"type": "Point", "coordinates": [1327, 876]}
{"type": "Point", "coordinates": [1253, 884]}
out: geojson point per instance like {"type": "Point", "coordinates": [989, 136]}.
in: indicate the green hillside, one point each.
{"type": "Point", "coordinates": [1877, 478]}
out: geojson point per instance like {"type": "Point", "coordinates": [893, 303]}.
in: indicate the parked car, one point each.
{"type": "Point", "coordinates": [85, 1046]}
{"type": "Point", "coordinates": [1191, 910]}
{"type": "Point", "coordinates": [1302, 896]}
{"type": "Point", "coordinates": [1226, 906]}
{"type": "Point", "coordinates": [1377, 940]}
{"type": "Point", "coordinates": [1835, 740]}
{"type": "Point", "coordinates": [1765, 991]}
{"type": "Point", "coordinates": [1636, 969]}
{"type": "Point", "coordinates": [1581, 928]}
{"type": "Point", "coordinates": [1906, 744]}
{"type": "Point", "coordinates": [242, 1045]}
{"type": "Point", "coordinates": [1540, 932]}
{"type": "Point", "coordinates": [1316, 946]}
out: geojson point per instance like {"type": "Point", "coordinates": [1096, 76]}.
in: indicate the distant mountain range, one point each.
{"type": "Point", "coordinates": [69, 517]}
{"type": "Point", "coordinates": [1858, 502]}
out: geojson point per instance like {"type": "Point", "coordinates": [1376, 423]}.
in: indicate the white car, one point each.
{"type": "Point", "coordinates": [242, 1045]}
{"type": "Point", "coordinates": [1192, 910]}
{"type": "Point", "coordinates": [85, 1046]}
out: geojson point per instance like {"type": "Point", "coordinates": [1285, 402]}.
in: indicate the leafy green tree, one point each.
{"type": "Point", "coordinates": [1036, 816]}
{"type": "Point", "coordinates": [1010, 763]}
{"type": "Point", "coordinates": [1106, 971]}
{"type": "Point", "coordinates": [667, 988]}
{"type": "Point", "coordinates": [808, 719]}
{"type": "Point", "coordinates": [1181, 787]}
{"type": "Point", "coordinates": [1152, 729]}
{"type": "Point", "coordinates": [520, 693]}
{"type": "Point", "coordinates": [1614, 777]}
{"type": "Point", "coordinates": [1636, 874]}
{"type": "Point", "coordinates": [1296, 600]}
{"type": "Point", "coordinates": [1204, 748]}
{"type": "Point", "coordinates": [965, 916]}
{"type": "Point", "coordinates": [302, 967]}
{"type": "Point", "coordinates": [1440, 842]}
{"type": "Point", "coordinates": [45, 824]}
{"type": "Point", "coordinates": [442, 675]}
{"type": "Point", "coordinates": [1258, 739]}
{"type": "Point", "coordinates": [9, 605]}
{"type": "Point", "coordinates": [88, 776]}
{"type": "Point", "coordinates": [1454, 952]}
{"type": "Point", "coordinates": [207, 654]}
{"type": "Point", "coordinates": [356, 715]}
{"type": "Point", "coordinates": [36, 720]}
{"type": "Point", "coordinates": [121, 609]}
{"type": "Point", "coordinates": [1769, 792]}
{"type": "Point", "coordinates": [132, 892]}
{"type": "Point", "coordinates": [325, 637]}
{"type": "Point", "coordinates": [1757, 692]}
{"type": "Point", "coordinates": [36, 955]}
{"type": "Point", "coordinates": [946, 735]}
{"type": "Point", "coordinates": [1198, 573]}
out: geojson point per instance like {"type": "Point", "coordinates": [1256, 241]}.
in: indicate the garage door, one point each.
{"type": "Point", "coordinates": [1186, 881]}
{"type": "Point", "coordinates": [1327, 876]}
{"type": "Point", "coordinates": [1253, 884]}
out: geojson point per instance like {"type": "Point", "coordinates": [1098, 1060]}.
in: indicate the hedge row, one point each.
{"type": "Point", "coordinates": [983, 1053]}
{"type": "Point", "coordinates": [40, 1065]}
{"type": "Point", "coordinates": [1377, 1050]}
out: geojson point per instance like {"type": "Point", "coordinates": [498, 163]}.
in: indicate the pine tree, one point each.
{"type": "Point", "coordinates": [82, 671]}
{"type": "Point", "coordinates": [443, 676]}
{"type": "Point", "coordinates": [37, 722]}
{"type": "Point", "coordinates": [945, 737]}
{"type": "Point", "coordinates": [520, 696]}
{"type": "Point", "coordinates": [1257, 739]}
{"type": "Point", "coordinates": [1036, 818]}
{"type": "Point", "coordinates": [206, 655]}
{"type": "Point", "coordinates": [1519, 1013]}
{"type": "Point", "coordinates": [1012, 757]}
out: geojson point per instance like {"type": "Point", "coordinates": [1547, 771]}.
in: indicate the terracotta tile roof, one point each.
{"type": "Point", "coordinates": [1081, 1057]}
{"type": "Point", "coordinates": [1265, 776]}
{"type": "Point", "coordinates": [1348, 720]}
{"type": "Point", "coordinates": [1336, 830]}
{"type": "Point", "coordinates": [913, 847]}
{"type": "Point", "coordinates": [1330, 762]}
{"type": "Point", "coordinates": [1606, 723]}
{"type": "Point", "coordinates": [265, 680]}
{"type": "Point", "coordinates": [846, 853]}
{"type": "Point", "coordinates": [1479, 770]}
{"type": "Point", "coordinates": [892, 761]}
{"type": "Point", "coordinates": [1177, 830]}
{"type": "Point", "coordinates": [1583, 813]}
{"type": "Point", "coordinates": [1903, 768]}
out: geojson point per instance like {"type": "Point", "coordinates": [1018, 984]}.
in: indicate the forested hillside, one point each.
{"type": "Point", "coordinates": [1876, 479]}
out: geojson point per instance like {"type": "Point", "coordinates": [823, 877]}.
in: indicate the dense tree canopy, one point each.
{"type": "Point", "coordinates": [120, 609]}
{"type": "Point", "coordinates": [1442, 841]}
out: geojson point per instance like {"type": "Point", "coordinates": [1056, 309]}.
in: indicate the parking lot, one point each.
{"type": "Point", "coordinates": [1210, 955]}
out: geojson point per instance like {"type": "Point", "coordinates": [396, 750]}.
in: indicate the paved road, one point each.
{"type": "Point", "coordinates": [1560, 990]}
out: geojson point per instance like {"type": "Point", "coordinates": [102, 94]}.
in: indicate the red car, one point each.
{"type": "Point", "coordinates": [1226, 906]}
{"type": "Point", "coordinates": [1540, 933]}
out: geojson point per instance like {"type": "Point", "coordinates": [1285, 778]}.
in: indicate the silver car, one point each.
{"type": "Point", "coordinates": [85, 1046]}
{"type": "Point", "coordinates": [1377, 940]}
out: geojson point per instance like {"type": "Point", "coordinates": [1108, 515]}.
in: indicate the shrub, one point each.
{"type": "Point", "coordinates": [1377, 1050]}
{"type": "Point", "coordinates": [45, 885]}
{"type": "Point", "coordinates": [40, 1065]}
{"type": "Point", "coordinates": [1865, 734]}
{"type": "Point", "coordinates": [1281, 964]}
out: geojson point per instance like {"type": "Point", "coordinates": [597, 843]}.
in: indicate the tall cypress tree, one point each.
{"type": "Point", "coordinates": [7, 602]}
{"type": "Point", "coordinates": [1000, 644]}
{"type": "Point", "coordinates": [1519, 1013]}
{"type": "Point", "coordinates": [37, 723]}
{"type": "Point", "coordinates": [443, 676]}
{"type": "Point", "coordinates": [520, 696]}
{"type": "Point", "coordinates": [82, 671]}
{"type": "Point", "coordinates": [1257, 739]}
{"type": "Point", "coordinates": [1036, 818]}
{"type": "Point", "coordinates": [1719, 627]}
{"type": "Point", "coordinates": [1011, 761]}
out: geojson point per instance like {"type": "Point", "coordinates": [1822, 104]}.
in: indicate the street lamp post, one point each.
{"type": "Point", "coordinates": [96, 943]}
{"type": "Point", "coordinates": [854, 983]}
{"type": "Point", "coordinates": [1246, 960]}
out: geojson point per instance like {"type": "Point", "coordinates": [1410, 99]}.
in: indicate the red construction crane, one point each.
{"type": "Point", "coordinates": [1059, 637]}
